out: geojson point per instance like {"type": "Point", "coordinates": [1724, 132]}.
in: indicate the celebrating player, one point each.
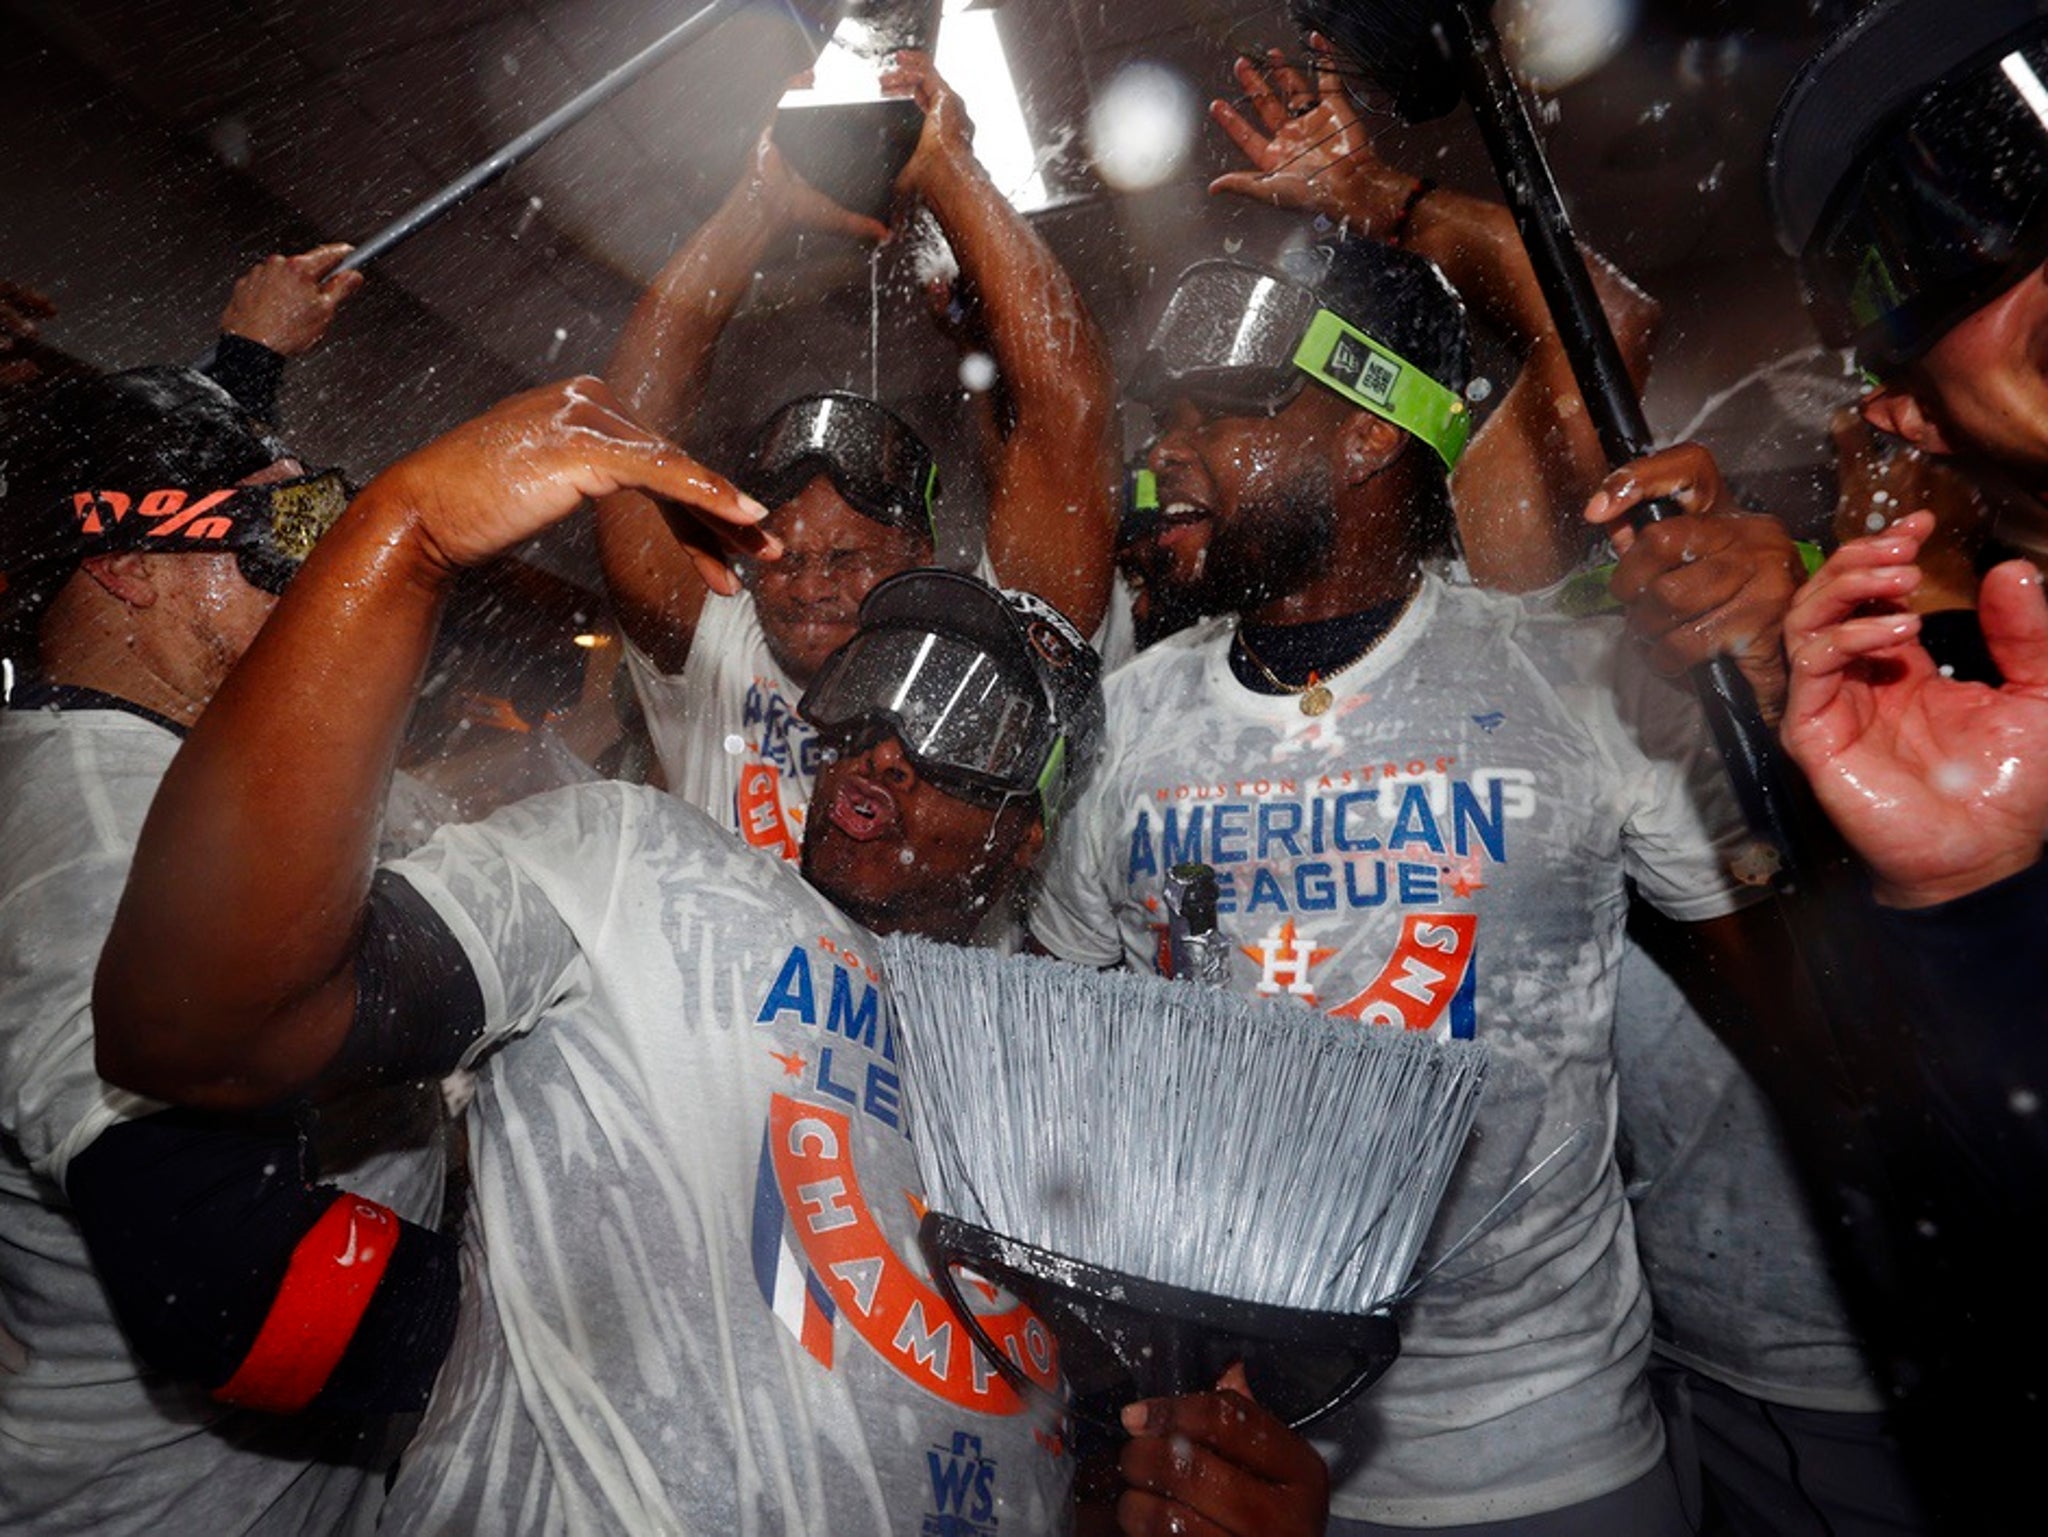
{"type": "Point", "coordinates": [851, 486]}
{"type": "Point", "coordinates": [688, 1304]}
{"type": "Point", "coordinates": [1423, 804]}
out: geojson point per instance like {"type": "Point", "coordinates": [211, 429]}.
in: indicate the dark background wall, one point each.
{"type": "Point", "coordinates": [151, 151]}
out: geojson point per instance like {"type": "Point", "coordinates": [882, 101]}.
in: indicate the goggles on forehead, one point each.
{"type": "Point", "coordinates": [873, 458]}
{"type": "Point", "coordinates": [270, 528]}
{"type": "Point", "coordinates": [971, 725]}
{"type": "Point", "coordinates": [1244, 342]}
{"type": "Point", "coordinates": [1941, 215]}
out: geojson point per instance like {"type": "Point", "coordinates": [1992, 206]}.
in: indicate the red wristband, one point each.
{"type": "Point", "coordinates": [334, 1270]}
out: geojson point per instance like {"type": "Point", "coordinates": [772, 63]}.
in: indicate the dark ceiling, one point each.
{"type": "Point", "coordinates": [153, 149]}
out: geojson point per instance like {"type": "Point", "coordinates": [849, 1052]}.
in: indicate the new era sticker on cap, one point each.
{"type": "Point", "coordinates": [1367, 374]}
{"type": "Point", "coordinates": [1371, 374]}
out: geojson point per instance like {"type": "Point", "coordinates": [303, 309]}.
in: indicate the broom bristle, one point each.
{"type": "Point", "coordinates": [1174, 1132]}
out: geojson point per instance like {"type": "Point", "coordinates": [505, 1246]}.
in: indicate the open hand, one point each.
{"type": "Point", "coordinates": [21, 312]}
{"type": "Point", "coordinates": [1941, 786]}
{"type": "Point", "coordinates": [1308, 149]}
{"type": "Point", "coordinates": [1215, 1463]}
{"type": "Point", "coordinates": [530, 461]}
{"type": "Point", "coordinates": [288, 302]}
{"type": "Point", "coordinates": [1715, 581]}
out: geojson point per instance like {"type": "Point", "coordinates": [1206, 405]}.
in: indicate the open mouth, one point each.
{"type": "Point", "coordinates": [863, 810]}
{"type": "Point", "coordinates": [1181, 523]}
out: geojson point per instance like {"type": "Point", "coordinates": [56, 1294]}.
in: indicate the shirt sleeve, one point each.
{"type": "Point", "coordinates": [522, 892]}
{"type": "Point", "coordinates": [249, 371]}
{"type": "Point", "coordinates": [1969, 977]}
{"type": "Point", "coordinates": [1074, 912]}
{"type": "Point", "coordinates": [53, 1102]}
{"type": "Point", "coordinates": [1683, 834]}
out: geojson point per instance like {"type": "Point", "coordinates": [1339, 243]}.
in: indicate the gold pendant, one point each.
{"type": "Point", "coordinates": [1315, 699]}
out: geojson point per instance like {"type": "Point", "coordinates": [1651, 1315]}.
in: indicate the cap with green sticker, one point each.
{"type": "Point", "coordinates": [1374, 377]}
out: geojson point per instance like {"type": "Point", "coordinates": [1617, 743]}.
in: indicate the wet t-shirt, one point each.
{"type": "Point", "coordinates": [692, 1298]}
{"type": "Point", "coordinates": [726, 728]}
{"type": "Point", "coordinates": [1445, 849]}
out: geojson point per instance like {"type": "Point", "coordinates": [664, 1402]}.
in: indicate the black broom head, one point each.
{"type": "Point", "coordinates": [1405, 47]}
{"type": "Point", "coordinates": [1123, 1337]}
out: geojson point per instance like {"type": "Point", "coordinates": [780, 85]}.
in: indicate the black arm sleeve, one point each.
{"type": "Point", "coordinates": [418, 1005]}
{"type": "Point", "coordinates": [250, 372]}
{"type": "Point", "coordinates": [191, 1220]}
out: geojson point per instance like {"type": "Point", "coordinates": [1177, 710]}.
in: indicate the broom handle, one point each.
{"type": "Point", "coordinates": [1849, 1035]}
{"type": "Point", "coordinates": [572, 111]}
{"type": "Point", "coordinates": [1746, 744]}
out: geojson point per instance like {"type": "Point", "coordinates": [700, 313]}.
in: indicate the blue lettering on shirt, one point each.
{"type": "Point", "coordinates": [1284, 841]}
{"type": "Point", "coordinates": [786, 738]}
{"type": "Point", "coordinates": [862, 1079]}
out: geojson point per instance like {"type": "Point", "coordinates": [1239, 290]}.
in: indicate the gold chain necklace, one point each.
{"type": "Point", "coordinates": [1314, 696]}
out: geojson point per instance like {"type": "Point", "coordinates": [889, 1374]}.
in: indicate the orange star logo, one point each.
{"type": "Point", "coordinates": [1284, 960]}
{"type": "Point", "coordinates": [793, 1062]}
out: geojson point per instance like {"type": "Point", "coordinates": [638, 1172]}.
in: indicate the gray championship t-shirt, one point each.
{"type": "Point", "coordinates": [692, 1296]}
{"type": "Point", "coordinates": [1444, 850]}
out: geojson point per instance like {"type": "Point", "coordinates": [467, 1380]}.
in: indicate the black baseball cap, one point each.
{"type": "Point", "coordinates": [1908, 169]}
{"type": "Point", "coordinates": [144, 460]}
{"type": "Point", "coordinates": [986, 687]}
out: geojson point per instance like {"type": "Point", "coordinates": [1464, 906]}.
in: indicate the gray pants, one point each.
{"type": "Point", "coordinates": [1649, 1507]}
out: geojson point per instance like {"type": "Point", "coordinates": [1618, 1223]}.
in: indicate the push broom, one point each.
{"type": "Point", "coordinates": [1171, 1177]}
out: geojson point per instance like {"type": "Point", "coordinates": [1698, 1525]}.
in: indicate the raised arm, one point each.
{"type": "Point", "coordinates": [228, 979]}
{"type": "Point", "coordinates": [286, 303]}
{"type": "Point", "coordinates": [660, 370]}
{"type": "Point", "coordinates": [1716, 580]}
{"type": "Point", "coordinates": [281, 308]}
{"type": "Point", "coordinates": [1051, 517]}
{"type": "Point", "coordinates": [1538, 458]}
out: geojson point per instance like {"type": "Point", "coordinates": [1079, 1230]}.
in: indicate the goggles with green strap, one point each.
{"type": "Point", "coordinates": [1243, 341]}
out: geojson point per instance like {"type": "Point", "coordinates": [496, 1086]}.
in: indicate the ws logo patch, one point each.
{"type": "Point", "coordinates": [963, 1490]}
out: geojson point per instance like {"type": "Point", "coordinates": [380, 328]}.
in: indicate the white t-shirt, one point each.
{"type": "Point", "coordinates": [726, 728]}
{"type": "Point", "coordinates": [1445, 849]}
{"type": "Point", "coordinates": [692, 1299]}
{"type": "Point", "coordinates": [90, 1439]}
{"type": "Point", "coordinates": [1736, 1268]}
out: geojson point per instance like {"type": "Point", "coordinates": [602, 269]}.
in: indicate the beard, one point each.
{"type": "Point", "coordinates": [1272, 545]}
